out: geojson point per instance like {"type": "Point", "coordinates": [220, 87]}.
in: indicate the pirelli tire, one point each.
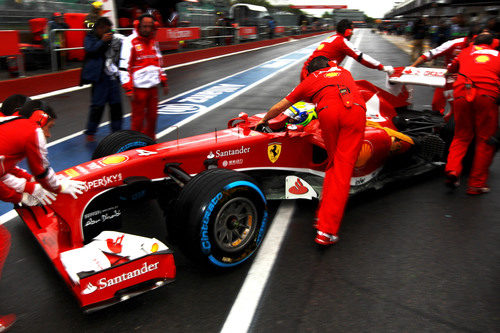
{"type": "Point", "coordinates": [121, 141]}
{"type": "Point", "coordinates": [221, 218]}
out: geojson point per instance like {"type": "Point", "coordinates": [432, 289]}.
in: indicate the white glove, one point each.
{"type": "Point", "coordinates": [72, 187]}
{"type": "Point", "coordinates": [29, 200]}
{"type": "Point", "coordinates": [45, 197]}
{"type": "Point", "coordinates": [389, 70]}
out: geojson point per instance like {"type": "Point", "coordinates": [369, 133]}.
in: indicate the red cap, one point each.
{"type": "Point", "coordinates": [57, 14]}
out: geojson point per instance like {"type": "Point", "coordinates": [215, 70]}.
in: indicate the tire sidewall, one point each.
{"type": "Point", "coordinates": [207, 215]}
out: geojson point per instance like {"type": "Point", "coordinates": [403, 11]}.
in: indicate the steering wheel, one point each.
{"type": "Point", "coordinates": [264, 128]}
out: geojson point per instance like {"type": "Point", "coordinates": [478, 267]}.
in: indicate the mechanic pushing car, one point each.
{"type": "Point", "coordinates": [338, 46]}
{"type": "Point", "coordinates": [24, 135]}
{"type": "Point", "coordinates": [449, 50]}
{"type": "Point", "coordinates": [341, 113]}
{"type": "Point", "coordinates": [476, 114]}
{"type": "Point", "coordinates": [141, 73]}
{"type": "Point", "coordinates": [21, 136]}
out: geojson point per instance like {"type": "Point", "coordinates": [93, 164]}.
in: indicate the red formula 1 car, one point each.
{"type": "Point", "coordinates": [212, 190]}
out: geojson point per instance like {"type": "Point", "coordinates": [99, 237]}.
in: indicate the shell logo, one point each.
{"type": "Point", "coordinates": [482, 59]}
{"type": "Point", "coordinates": [321, 47]}
{"type": "Point", "coordinates": [115, 159]}
{"type": "Point", "coordinates": [334, 74]}
{"type": "Point", "coordinates": [364, 154]}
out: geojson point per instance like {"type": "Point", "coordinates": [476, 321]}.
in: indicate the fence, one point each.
{"type": "Point", "coordinates": [204, 37]}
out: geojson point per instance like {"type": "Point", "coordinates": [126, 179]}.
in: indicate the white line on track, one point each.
{"type": "Point", "coordinates": [243, 309]}
{"type": "Point", "coordinates": [246, 303]}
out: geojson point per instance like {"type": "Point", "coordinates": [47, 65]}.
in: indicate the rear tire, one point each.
{"type": "Point", "coordinates": [121, 141]}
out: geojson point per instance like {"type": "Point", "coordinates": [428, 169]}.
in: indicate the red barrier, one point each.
{"type": "Point", "coordinates": [279, 30]}
{"type": "Point", "coordinates": [10, 43]}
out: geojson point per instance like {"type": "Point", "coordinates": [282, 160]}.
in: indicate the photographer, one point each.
{"type": "Point", "coordinates": [99, 69]}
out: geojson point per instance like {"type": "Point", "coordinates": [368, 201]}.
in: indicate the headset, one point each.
{"type": "Point", "coordinates": [348, 32]}
{"type": "Point", "coordinates": [40, 115]}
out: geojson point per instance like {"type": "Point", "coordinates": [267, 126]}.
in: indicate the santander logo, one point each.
{"type": "Point", "coordinates": [105, 282]}
{"type": "Point", "coordinates": [298, 188]}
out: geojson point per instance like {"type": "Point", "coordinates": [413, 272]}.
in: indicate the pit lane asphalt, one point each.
{"type": "Point", "coordinates": [411, 258]}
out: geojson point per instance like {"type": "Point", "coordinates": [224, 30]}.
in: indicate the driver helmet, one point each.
{"type": "Point", "coordinates": [301, 113]}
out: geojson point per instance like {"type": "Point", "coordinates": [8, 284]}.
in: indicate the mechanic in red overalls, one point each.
{"type": "Point", "coordinates": [338, 46]}
{"type": "Point", "coordinates": [141, 73]}
{"type": "Point", "coordinates": [476, 113]}
{"type": "Point", "coordinates": [449, 50]}
{"type": "Point", "coordinates": [25, 137]}
{"type": "Point", "coordinates": [341, 113]}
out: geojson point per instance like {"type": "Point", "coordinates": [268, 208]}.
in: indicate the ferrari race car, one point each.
{"type": "Point", "coordinates": [212, 190]}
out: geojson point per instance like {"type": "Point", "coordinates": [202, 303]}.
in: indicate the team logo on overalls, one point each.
{"type": "Point", "coordinates": [138, 47]}
{"type": "Point", "coordinates": [482, 59]}
{"type": "Point", "coordinates": [333, 74]}
{"type": "Point", "coordinates": [273, 151]}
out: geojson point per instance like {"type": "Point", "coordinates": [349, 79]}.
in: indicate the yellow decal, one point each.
{"type": "Point", "coordinates": [138, 47]}
{"type": "Point", "coordinates": [115, 159]}
{"type": "Point", "coordinates": [274, 151]}
{"type": "Point", "coordinates": [72, 173]}
{"type": "Point", "coordinates": [333, 74]}
{"type": "Point", "coordinates": [482, 59]}
{"type": "Point", "coordinates": [320, 47]}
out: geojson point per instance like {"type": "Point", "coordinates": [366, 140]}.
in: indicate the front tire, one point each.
{"type": "Point", "coordinates": [221, 218]}
{"type": "Point", "coordinates": [121, 141]}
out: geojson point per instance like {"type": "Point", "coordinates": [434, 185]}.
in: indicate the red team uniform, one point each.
{"type": "Point", "coordinates": [336, 48]}
{"type": "Point", "coordinates": [23, 138]}
{"type": "Point", "coordinates": [476, 112]}
{"type": "Point", "coordinates": [341, 113]}
{"type": "Point", "coordinates": [140, 74]}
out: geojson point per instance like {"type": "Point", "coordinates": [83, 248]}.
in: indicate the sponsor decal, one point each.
{"type": "Point", "coordinates": [104, 181]}
{"type": "Point", "coordinates": [71, 173]}
{"type": "Point", "coordinates": [115, 159]}
{"type": "Point", "coordinates": [408, 71]}
{"type": "Point", "coordinates": [333, 74]}
{"type": "Point", "coordinates": [105, 282]}
{"type": "Point", "coordinates": [482, 59]}
{"type": "Point", "coordinates": [212, 92]}
{"type": "Point", "coordinates": [82, 169]}
{"type": "Point", "coordinates": [297, 188]}
{"type": "Point", "coordinates": [101, 215]}
{"type": "Point", "coordinates": [274, 151]}
{"type": "Point", "coordinates": [90, 289]}
{"type": "Point", "coordinates": [138, 47]}
{"type": "Point", "coordinates": [93, 166]}
{"type": "Point", "coordinates": [357, 181]}
{"type": "Point", "coordinates": [205, 240]}
{"type": "Point", "coordinates": [171, 109]}
{"type": "Point", "coordinates": [115, 245]}
{"type": "Point", "coordinates": [232, 162]}
{"type": "Point", "coordinates": [229, 152]}
{"type": "Point", "coordinates": [321, 46]}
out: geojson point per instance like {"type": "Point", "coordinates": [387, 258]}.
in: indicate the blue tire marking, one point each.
{"type": "Point", "coordinates": [216, 262]}
{"type": "Point", "coordinates": [130, 145]}
{"type": "Point", "coordinates": [246, 183]}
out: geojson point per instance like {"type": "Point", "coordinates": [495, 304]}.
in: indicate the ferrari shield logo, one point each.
{"type": "Point", "coordinates": [274, 151]}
